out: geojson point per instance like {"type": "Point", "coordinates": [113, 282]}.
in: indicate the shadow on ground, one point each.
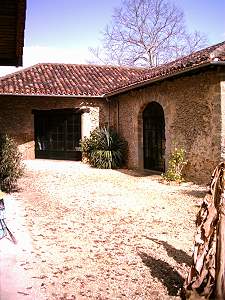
{"type": "Point", "coordinates": [143, 173]}
{"type": "Point", "coordinates": [165, 273]}
{"type": "Point", "coordinates": [196, 193]}
{"type": "Point", "coordinates": [178, 255]}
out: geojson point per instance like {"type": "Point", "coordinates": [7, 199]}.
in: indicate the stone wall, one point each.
{"type": "Point", "coordinates": [17, 120]}
{"type": "Point", "coordinates": [192, 109]}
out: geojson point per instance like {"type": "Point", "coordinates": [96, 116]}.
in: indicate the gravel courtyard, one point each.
{"type": "Point", "coordinates": [106, 234]}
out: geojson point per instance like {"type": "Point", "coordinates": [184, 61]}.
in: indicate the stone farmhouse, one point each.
{"type": "Point", "coordinates": [49, 107]}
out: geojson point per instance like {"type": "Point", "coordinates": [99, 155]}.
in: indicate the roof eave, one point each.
{"type": "Point", "coordinates": [21, 19]}
{"type": "Point", "coordinates": [160, 78]}
{"type": "Point", "coordinates": [54, 95]}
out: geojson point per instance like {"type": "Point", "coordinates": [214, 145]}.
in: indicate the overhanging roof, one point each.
{"type": "Point", "coordinates": [12, 25]}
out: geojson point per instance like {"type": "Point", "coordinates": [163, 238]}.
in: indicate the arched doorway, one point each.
{"type": "Point", "coordinates": [154, 137]}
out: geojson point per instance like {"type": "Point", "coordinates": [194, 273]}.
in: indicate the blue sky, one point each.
{"type": "Point", "coordinates": [62, 31]}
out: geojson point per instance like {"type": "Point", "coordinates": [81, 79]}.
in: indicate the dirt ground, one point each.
{"type": "Point", "coordinates": [105, 234]}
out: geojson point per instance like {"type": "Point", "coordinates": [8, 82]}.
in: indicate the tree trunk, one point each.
{"type": "Point", "coordinates": [220, 252]}
{"type": "Point", "coordinates": [206, 279]}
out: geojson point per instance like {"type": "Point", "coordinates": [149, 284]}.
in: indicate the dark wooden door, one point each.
{"type": "Point", "coordinates": [57, 134]}
{"type": "Point", "coordinates": [154, 137]}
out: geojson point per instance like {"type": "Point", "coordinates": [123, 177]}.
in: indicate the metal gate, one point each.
{"type": "Point", "coordinates": [57, 134]}
{"type": "Point", "coordinates": [154, 137]}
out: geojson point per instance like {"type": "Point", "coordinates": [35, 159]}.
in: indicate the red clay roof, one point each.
{"type": "Point", "coordinates": [67, 80]}
{"type": "Point", "coordinates": [49, 79]}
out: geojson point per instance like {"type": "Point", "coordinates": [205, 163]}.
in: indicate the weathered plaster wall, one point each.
{"type": "Point", "coordinates": [16, 116]}
{"type": "Point", "coordinates": [192, 108]}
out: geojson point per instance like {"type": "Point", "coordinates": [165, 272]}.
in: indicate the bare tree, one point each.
{"type": "Point", "coordinates": [146, 33]}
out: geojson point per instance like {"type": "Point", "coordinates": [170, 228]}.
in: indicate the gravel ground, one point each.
{"type": "Point", "coordinates": [106, 234]}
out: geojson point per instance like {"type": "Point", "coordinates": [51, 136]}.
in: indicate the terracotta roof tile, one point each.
{"type": "Point", "coordinates": [95, 81]}
{"type": "Point", "coordinates": [67, 79]}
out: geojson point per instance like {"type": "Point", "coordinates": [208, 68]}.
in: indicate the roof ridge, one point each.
{"type": "Point", "coordinates": [193, 54]}
{"type": "Point", "coordinates": [94, 65]}
{"type": "Point", "coordinates": [215, 54]}
{"type": "Point", "coordinates": [206, 49]}
{"type": "Point", "coordinates": [22, 69]}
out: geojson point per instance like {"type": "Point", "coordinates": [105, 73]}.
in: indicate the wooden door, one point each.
{"type": "Point", "coordinates": [154, 137]}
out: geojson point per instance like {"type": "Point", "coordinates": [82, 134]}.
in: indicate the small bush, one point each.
{"type": "Point", "coordinates": [176, 164]}
{"type": "Point", "coordinates": [104, 149]}
{"type": "Point", "coordinates": [11, 168]}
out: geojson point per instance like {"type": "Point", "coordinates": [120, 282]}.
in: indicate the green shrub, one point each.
{"type": "Point", "coordinates": [176, 164]}
{"type": "Point", "coordinates": [104, 149]}
{"type": "Point", "coordinates": [11, 168]}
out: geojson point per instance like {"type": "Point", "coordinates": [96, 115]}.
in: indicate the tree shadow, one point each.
{"type": "Point", "coordinates": [178, 255]}
{"type": "Point", "coordinates": [196, 193]}
{"type": "Point", "coordinates": [141, 173]}
{"type": "Point", "coordinates": [165, 273]}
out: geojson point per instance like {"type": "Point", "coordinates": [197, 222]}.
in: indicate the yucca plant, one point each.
{"type": "Point", "coordinates": [104, 149]}
{"type": "Point", "coordinates": [11, 168]}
